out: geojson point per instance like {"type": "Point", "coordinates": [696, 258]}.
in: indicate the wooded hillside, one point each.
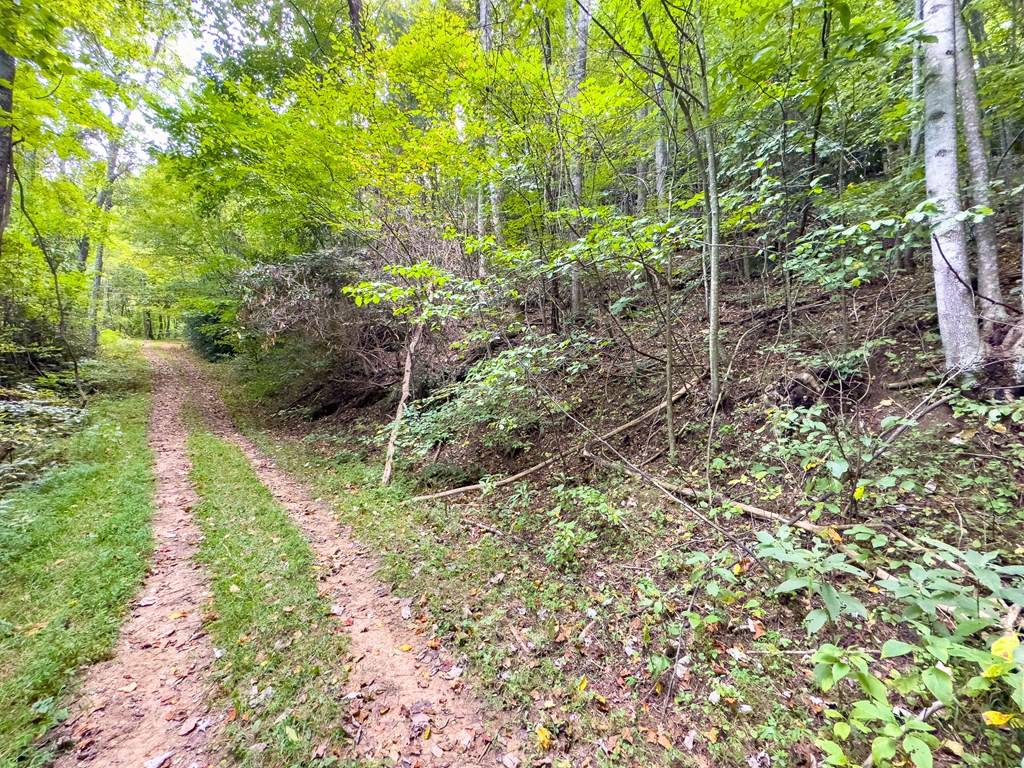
{"type": "Point", "coordinates": [708, 316]}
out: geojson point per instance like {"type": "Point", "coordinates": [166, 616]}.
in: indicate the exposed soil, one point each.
{"type": "Point", "coordinates": [408, 702]}
{"type": "Point", "coordinates": [146, 707]}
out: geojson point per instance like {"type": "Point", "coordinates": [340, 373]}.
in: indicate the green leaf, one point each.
{"type": "Point", "coordinates": [831, 599]}
{"type": "Point", "coordinates": [792, 585]}
{"type": "Point", "coordinates": [893, 648]}
{"type": "Point", "coordinates": [841, 730]}
{"type": "Point", "coordinates": [883, 748]}
{"type": "Point", "coordinates": [940, 684]}
{"type": "Point", "coordinates": [873, 687]}
{"type": "Point", "coordinates": [834, 754]}
{"type": "Point", "coordinates": [920, 753]}
{"type": "Point", "coordinates": [815, 620]}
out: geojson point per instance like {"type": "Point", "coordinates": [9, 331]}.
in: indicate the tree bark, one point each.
{"type": "Point", "coordinates": [7, 69]}
{"type": "Point", "coordinates": [410, 350]}
{"type": "Point", "coordinates": [660, 155]}
{"type": "Point", "coordinates": [355, 20]}
{"type": "Point", "coordinates": [714, 218]}
{"type": "Point", "coordinates": [958, 328]}
{"type": "Point", "coordinates": [576, 81]}
{"type": "Point", "coordinates": [493, 186]}
{"type": "Point", "coordinates": [579, 72]}
{"type": "Point", "coordinates": [990, 294]}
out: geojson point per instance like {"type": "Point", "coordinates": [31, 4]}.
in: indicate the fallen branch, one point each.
{"type": "Point", "coordinates": [917, 381]}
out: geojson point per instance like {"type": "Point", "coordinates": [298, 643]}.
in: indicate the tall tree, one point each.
{"type": "Point", "coordinates": [958, 327]}
{"type": "Point", "coordinates": [578, 72]}
{"type": "Point", "coordinates": [990, 295]}
{"type": "Point", "coordinates": [7, 68]}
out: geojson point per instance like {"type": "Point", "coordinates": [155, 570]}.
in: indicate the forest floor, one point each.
{"type": "Point", "coordinates": [166, 698]}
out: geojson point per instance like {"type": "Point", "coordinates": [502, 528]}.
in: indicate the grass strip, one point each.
{"type": "Point", "coordinates": [74, 546]}
{"type": "Point", "coordinates": [282, 667]}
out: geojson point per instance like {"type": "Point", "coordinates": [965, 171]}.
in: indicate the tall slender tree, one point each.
{"type": "Point", "coordinates": [958, 326]}
{"type": "Point", "coordinates": [990, 295]}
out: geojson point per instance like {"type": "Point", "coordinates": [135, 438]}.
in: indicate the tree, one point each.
{"type": "Point", "coordinates": [990, 294]}
{"type": "Point", "coordinates": [958, 326]}
{"type": "Point", "coordinates": [7, 68]}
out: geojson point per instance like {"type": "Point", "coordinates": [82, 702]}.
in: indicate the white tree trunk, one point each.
{"type": "Point", "coordinates": [660, 155]}
{"type": "Point", "coordinates": [958, 327]}
{"type": "Point", "coordinates": [579, 72]}
{"type": "Point", "coordinates": [493, 186]}
{"type": "Point", "coordinates": [410, 351]}
{"type": "Point", "coordinates": [990, 295]}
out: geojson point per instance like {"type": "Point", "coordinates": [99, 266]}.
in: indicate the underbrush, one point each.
{"type": "Point", "coordinates": [278, 647]}
{"type": "Point", "coordinates": [38, 414]}
{"type": "Point", "coordinates": [849, 591]}
{"type": "Point", "coordinates": [74, 547]}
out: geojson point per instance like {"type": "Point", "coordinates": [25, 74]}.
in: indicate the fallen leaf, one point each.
{"type": "Point", "coordinates": [234, 588]}
{"type": "Point", "coordinates": [405, 648]}
{"type": "Point", "coordinates": [544, 738]}
{"type": "Point", "coordinates": [510, 760]}
{"type": "Point", "coordinates": [188, 727]}
{"type": "Point", "coordinates": [159, 761]}
{"type": "Point", "coordinates": [128, 688]}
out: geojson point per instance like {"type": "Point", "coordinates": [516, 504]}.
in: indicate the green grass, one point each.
{"type": "Point", "coordinates": [74, 546]}
{"type": "Point", "coordinates": [282, 670]}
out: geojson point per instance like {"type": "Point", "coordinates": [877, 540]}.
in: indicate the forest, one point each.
{"type": "Point", "coordinates": [570, 383]}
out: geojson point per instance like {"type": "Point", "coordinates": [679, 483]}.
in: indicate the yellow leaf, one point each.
{"type": "Point", "coordinates": [544, 738]}
{"type": "Point", "coordinates": [1005, 646]}
{"type": "Point", "coordinates": [954, 746]}
{"type": "Point", "coordinates": [426, 732]}
{"type": "Point", "coordinates": [832, 534]}
{"type": "Point", "coordinates": [405, 648]}
{"type": "Point", "coordinates": [859, 492]}
{"type": "Point", "coordinates": [737, 569]}
{"type": "Point", "coordinates": [993, 717]}
{"type": "Point", "coordinates": [582, 685]}
{"type": "Point", "coordinates": [992, 671]}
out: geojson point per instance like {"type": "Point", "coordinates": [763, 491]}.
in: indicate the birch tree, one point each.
{"type": "Point", "coordinates": [990, 294]}
{"type": "Point", "coordinates": [958, 327]}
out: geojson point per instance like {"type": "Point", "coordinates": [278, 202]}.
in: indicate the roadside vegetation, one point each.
{"type": "Point", "coordinates": [74, 547]}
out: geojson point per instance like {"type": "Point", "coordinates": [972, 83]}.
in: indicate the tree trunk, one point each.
{"type": "Point", "coordinates": [670, 411]}
{"type": "Point", "coordinates": [355, 20]}
{"type": "Point", "coordinates": [660, 155]}
{"type": "Point", "coordinates": [915, 87]}
{"type": "Point", "coordinates": [83, 253]}
{"type": "Point", "coordinates": [579, 72]}
{"type": "Point", "coordinates": [961, 341]}
{"type": "Point", "coordinates": [104, 202]}
{"type": "Point", "coordinates": [989, 293]}
{"type": "Point", "coordinates": [714, 218]}
{"type": "Point", "coordinates": [406, 386]}
{"type": "Point", "coordinates": [493, 186]}
{"type": "Point", "coordinates": [7, 67]}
